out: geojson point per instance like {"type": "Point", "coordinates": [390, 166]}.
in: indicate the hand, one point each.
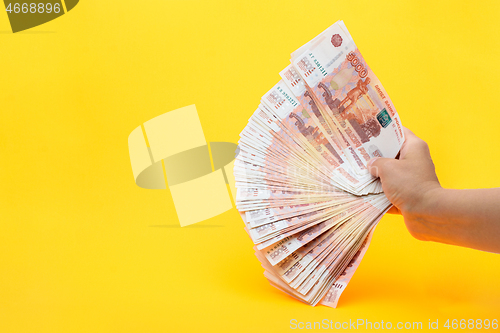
{"type": "Point", "coordinates": [409, 182]}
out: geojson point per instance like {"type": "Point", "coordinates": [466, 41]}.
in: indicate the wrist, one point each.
{"type": "Point", "coordinates": [432, 201]}
{"type": "Point", "coordinates": [422, 218]}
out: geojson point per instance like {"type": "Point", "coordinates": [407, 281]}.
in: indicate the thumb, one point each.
{"type": "Point", "coordinates": [377, 165]}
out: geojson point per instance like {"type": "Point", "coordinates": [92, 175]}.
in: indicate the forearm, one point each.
{"type": "Point", "coordinates": [469, 218]}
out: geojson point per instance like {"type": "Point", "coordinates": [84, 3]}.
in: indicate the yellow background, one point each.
{"type": "Point", "coordinates": [83, 249]}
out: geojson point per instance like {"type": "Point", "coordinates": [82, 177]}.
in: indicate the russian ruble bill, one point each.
{"type": "Point", "coordinates": [304, 192]}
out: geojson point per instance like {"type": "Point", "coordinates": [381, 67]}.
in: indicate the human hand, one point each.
{"type": "Point", "coordinates": [409, 182]}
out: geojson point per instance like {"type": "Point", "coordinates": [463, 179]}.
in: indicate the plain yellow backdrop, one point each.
{"type": "Point", "coordinates": [83, 249]}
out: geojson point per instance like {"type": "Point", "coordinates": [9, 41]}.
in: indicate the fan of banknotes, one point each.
{"type": "Point", "coordinates": [303, 189]}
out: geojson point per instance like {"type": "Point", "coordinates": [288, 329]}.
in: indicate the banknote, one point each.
{"type": "Point", "coordinates": [351, 96]}
{"type": "Point", "coordinates": [303, 189]}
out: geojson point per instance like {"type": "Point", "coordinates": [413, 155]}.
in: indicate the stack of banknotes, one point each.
{"type": "Point", "coordinates": [303, 189]}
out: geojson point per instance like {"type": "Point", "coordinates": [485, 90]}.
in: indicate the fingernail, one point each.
{"type": "Point", "coordinates": [370, 162]}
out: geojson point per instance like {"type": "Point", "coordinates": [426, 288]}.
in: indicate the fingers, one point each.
{"type": "Point", "coordinates": [410, 137]}
{"type": "Point", "coordinates": [377, 165]}
{"type": "Point", "coordinates": [408, 132]}
{"type": "Point", "coordinates": [413, 147]}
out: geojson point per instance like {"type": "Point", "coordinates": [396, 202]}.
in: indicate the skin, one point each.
{"type": "Point", "coordinates": [469, 218]}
